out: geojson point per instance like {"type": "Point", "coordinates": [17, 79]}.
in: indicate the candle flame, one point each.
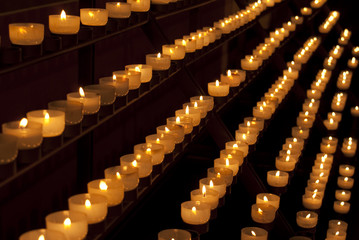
{"type": "Point", "coordinates": [346, 179]}
{"type": "Point", "coordinates": [187, 110]}
{"type": "Point", "coordinates": [308, 216]}
{"type": "Point", "coordinates": [229, 73]}
{"type": "Point", "coordinates": [343, 193]}
{"type": "Point", "coordinates": [260, 211]}
{"type": "Point", "coordinates": [253, 233]}
{"type": "Point", "coordinates": [184, 42]}
{"type": "Point", "coordinates": [195, 104]}
{"type": "Point", "coordinates": [217, 83]}
{"type": "Point", "coordinates": [87, 204]}
{"type": "Point", "coordinates": [321, 174]}
{"type": "Point", "coordinates": [63, 15]}
{"type": "Point", "coordinates": [287, 158]}
{"type": "Point", "coordinates": [148, 151]}
{"type": "Point", "coordinates": [67, 222]}
{"type": "Point", "coordinates": [103, 186]}
{"type": "Point", "coordinates": [337, 233]}
{"type": "Point", "coordinates": [158, 55]}
{"type": "Point", "coordinates": [265, 199]}
{"type": "Point", "coordinates": [157, 140]}
{"type": "Point", "coordinates": [118, 175]}
{"type": "Point", "coordinates": [235, 145]}
{"type": "Point", "coordinates": [178, 120]}
{"type": "Point", "coordinates": [134, 163]}
{"type": "Point", "coordinates": [277, 174]}
{"type": "Point", "coordinates": [41, 237]}
{"type": "Point", "coordinates": [204, 191]}
{"type": "Point", "coordinates": [46, 116]}
{"type": "Point", "coordinates": [211, 184]}
{"type": "Point", "coordinates": [167, 130]}
{"type": "Point", "coordinates": [137, 69]}
{"type": "Point", "coordinates": [194, 210]}
{"type": "Point", "coordinates": [314, 195]}
{"type": "Point", "coordinates": [227, 162]}
{"type": "Point", "coordinates": [23, 123]}
{"type": "Point", "coordinates": [81, 92]}
{"type": "Point", "coordinates": [347, 168]}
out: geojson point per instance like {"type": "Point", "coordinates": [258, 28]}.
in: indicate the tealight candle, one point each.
{"type": "Point", "coordinates": [231, 153]}
{"type": "Point", "coordinates": [307, 219]}
{"type": "Point", "coordinates": [146, 71]}
{"type": "Point", "coordinates": [317, 169]}
{"type": "Point", "coordinates": [217, 184]}
{"type": "Point", "coordinates": [91, 101]}
{"type": "Point", "coordinates": [353, 63]}
{"type": "Point", "coordinates": [192, 113]}
{"type": "Point", "coordinates": [253, 233]}
{"type": "Point", "coordinates": [64, 24]}
{"type": "Point", "coordinates": [328, 148]}
{"type": "Point", "coordinates": [262, 112]}
{"type": "Point", "coordinates": [331, 124]}
{"type": "Point", "coordinates": [297, 143]}
{"type": "Point", "coordinates": [305, 11]}
{"type": "Point", "coordinates": [345, 182]}
{"type": "Point", "coordinates": [263, 213]}
{"type": "Point", "coordinates": [189, 44]}
{"type": "Point", "coordinates": [248, 137]}
{"type": "Point", "coordinates": [72, 224]}
{"type": "Point", "coordinates": [346, 170]}
{"type": "Point", "coordinates": [53, 121]}
{"type": "Point", "coordinates": [300, 132]}
{"type": "Point", "coordinates": [297, 19]}
{"type": "Point", "coordinates": [206, 100]}
{"type": "Point", "coordinates": [335, 115]}
{"type": "Point", "coordinates": [42, 234]}
{"type": "Point", "coordinates": [107, 93]}
{"type": "Point", "coordinates": [342, 195]}
{"type": "Point", "coordinates": [126, 175]}
{"type": "Point", "coordinates": [268, 198]}
{"type": "Point", "coordinates": [159, 62]}
{"type": "Point", "coordinates": [169, 234]}
{"type": "Point", "coordinates": [176, 52]}
{"type": "Point", "coordinates": [134, 77]}
{"type": "Point", "coordinates": [141, 161]}
{"type": "Point", "coordinates": [205, 195]}
{"type": "Point", "coordinates": [93, 205]}
{"type": "Point", "coordinates": [29, 134]}
{"type": "Point", "coordinates": [250, 64]}
{"type": "Point", "coordinates": [315, 94]}
{"type": "Point", "coordinates": [167, 141]}
{"type": "Point", "coordinates": [118, 9]}
{"type": "Point", "coordinates": [255, 122]}
{"type": "Point", "coordinates": [218, 89]}
{"type": "Point", "coordinates": [336, 234]}
{"type": "Point", "coordinates": [176, 131]}
{"type": "Point", "coordinates": [73, 110]}
{"type": "Point", "coordinates": [294, 65]}
{"type": "Point", "coordinates": [195, 105]}
{"type": "Point", "coordinates": [231, 163]}
{"type": "Point", "coordinates": [93, 16]}
{"type": "Point", "coordinates": [354, 111]}
{"type": "Point", "coordinates": [156, 151]}
{"type": "Point", "coordinates": [139, 5]}
{"type": "Point", "coordinates": [121, 84]}
{"type": "Point", "coordinates": [325, 157]}
{"type": "Point", "coordinates": [319, 176]}
{"type": "Point", "coordinates": [285, 163]}
{"type": "Point", "coordinates": [348, 151]}
{"type": "Point", "coordinates": [341, 207]}
{"type": "Point", "coordinates": [291, 73]}
{"type": "Point", "coordinates": [319, 190]}
{"type": "Point", "coordinates": [316, 184]}
{"type": "Point", "coordinates": [223, 173]}
{"type": "Point", "coordinates": [112, 189]}
{"type": "Point", "coordinates": [195, 212]}
{"type": "Point", "coordinates": [185, 122]}
{"type": "Point", "coordinates": [312, 202]}
{"type": "Point", "coordinates": [238, 145]}
{"type": "Point", "coordinates": [277, 178]}
{"type": "Point", "coordinates": [338, 225]}
{"type": "Point", "coordinates": [233, 77]}
{"type": "Point", "coordinates": [26, 33]}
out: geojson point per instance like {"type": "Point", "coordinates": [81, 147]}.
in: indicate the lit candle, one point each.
{"type": "Point", "coordinates": [262, 112]}
{"type": "Point", "coordinates": [217, 184]}
{"type": "Point", "coordinates": [93, 205]}
{"type": "Point", "coordinates": [91, 101]}
{"type": "Point", "coordinates": [300, 132]}
{"type": "Point", "coordinates": [319, 190]}
{"type": "Point", "coordinates": [346, 170]}
{"type": "Point", "coordinates": [342, 195]}
{"type": "Point", "coordinates": [189, 44]}
{"type": "Point", "coordinates": [223, 173]}
{"type": "Point", "coordinates": [134, 77]}
{"type": "Point", "coordinates": [172, 234]}
{"type": "Point", "coordinates": [218, 89]}
{"type": "Point", "coordinates": [121, 84]}
{"type": "Point", "coordinates": [64, 24]}
{"type": "Point", "coordinates": [111, 189]}
{"type": "Point", "coordinates": [156, 151]}
{"type": "Point", "coordinates": [53, 121]}
{"type": "Point", "coordinates": [355, 51]}
{"type": "Point", "coordinates": [291, 73]}
{"type": "Point", "coordinates": [42, 234]}
{"type": "Point", "coordinates": [307, 219]}
{"type": "Point", "coordinates": [233, 77]}
{"type": "Point", "coordinates": [93, 16]}
{"type": "Point", "coordinates": [353, 63]}
{"type": "Point", "coordinates": [176, 131]}
{"type": "Point", "coordinates": [323, 177]}
{"type": "Point", "coordinates": [205, 100]}
{"type": "Point", "coordinates": [72, 224]}
{"type": "Point", "coordinates": [139, 5]}
{"type": "Point", "coordinates": [349, 151]}
{"type": "Point", "coordinates": [316, 184]}
{"type": "Point", "coordinates": [205, 195]}
{"type": "Point", "coordinates": [194, 114]}
{"type": "Point", "coordinates": [336, 234]}
{"type": "Point", "coordinates": [345, 182]}
{"type": "Point", "coordinates": [305, 11]}
{"type": "Point", "coordinates": [325, 157]}
{"type": "Point", "coordinates": [268, 198]}
{"type": "Point", "coordinates": [107, 93]}
{"type": "Point", "coordinates": [126, 175]}
{"type": "Point", "coordinates": [231, 163]}
{"type": "Point", "coordinates": [118, 9]}
{"type": "Point", "coordinates": [185, 122]}
{"type": "Point", "coordinates": [315, 94]}
{"type": "Point", "coordinates": [238, 145]}
{"type": "Point", "coordinates": [195, 105]}
{"type": "Point", "coordinates": [338, 225]}
{"type": "Point", "coordinates": [312, 202]}
{"type": "Point", "coordinates": [176, 52]}
{"type": "Point", "coordinates": [335, 115]}
{"type": "Point", "coordinates": [167, 141]}
{"type": "Point", "coordinates": [341, 207]}
{"type": "Point", "coordinates": [250, 63]}
{"type": "Point", "coordinates": [195, 212]}
{"type": "Point", "coordinates": [277, 178]}
{"type": "Point", "coordinates": [26, 33]}
{"type": "Point", "coordinates": [248, 137]}
{"type": "Point", "coordinates": [234, 154]}
{"type": "Point", "coordinates": [285, 163]}
{"type": "Point", "coordinates": [328, 148]}
{"type": "Point", "coordinates": [141, 161]}
{"type": "Point", "coordinates": [146, 71]}
{"type": "Point", "coordinates": [354, 111]}
{"type": "Point", "coordinates": [29, 134]}
{"type": "Point", "coordinates": [263, 213]}
{"type": "Point", "coordinates": [159, 62]}
{"type": "Point", "coordinates": [253, 233]}
{"type": "Point", "coordinates": [331, 124]}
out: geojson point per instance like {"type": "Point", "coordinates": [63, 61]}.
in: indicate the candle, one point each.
{"type": "Point", "coordinates": [305, 11]}
{"type": "Point", "coordinates": [255, 122]}
{"type": "Point", "coordinates": [64, 24]}
{"type": "Point", "coordinates": [218, 89]}
{"type": "Point", "coordinates": [346, 170]}
{"type": "Point", "coordinates": [93, 205]}
{"type": "Point", "coordinates": [331, 124]}
{"type": "Point", "coordinates": [126, 175]}
{"type": "Point", "coordinates": [139, 5]}
{"type": "Point", "coordinates": [268, 198]}
{"type": "Point", "coordinates": [353, 63]}
{"type": "Point", "coordinates": [171, 234]}
{"type": "Point", "coordinates": [349, 151]}
{"type": "Point", "coordinates": [53, 121]}
{"type": "Point", "coordinates": [205, 195]}
{"type": "Point", "coordinates": [250, 63]}
{"type": "Point", "coordinates": [263, 213]}
{"type": "Point", "coordinates": [167, 141]}
{"type": "Point", "coordinates": [328, 148]}
{"type": "Point", "coordinates": [253, 233]}
{"type": "Point", "coordinates": [107, 93]}
{"type": "Point", "coordinates": [336, 234]}
{"type": "Point", "coordinates": [42, 234]}
{"type": "Point", "coordinates": [194, 114]}
{"type": "Point", "coordinates": [134, 77]}
{"type": "Point", "coordinates": [319, 175]}
{"type": "Point", "coordinates": [118, 9]}
{"type": "Point", "coordinates": [93, 16]}
{"type": "Point", "coordinates": [188, 43]}
{"type": "Point", "coordinates": [205, 100]}
{"type": "Point", "coordinates": [223, 173]}
{"type": "Point", "coordinates": [73, 110]}
{"type": "Point", "coordinates": [29, 134]}
{"type": "Point", "coordinates": [325, 158]}
{"type": "Point", "coordinates": [91, 101]}
{"type": "Point", "coordinates": [291, 73]}
{"type": "Point", "coordinates": [234, 154]}
{"type": "Point", "coordinates": [185, 122]}
{"type": "Point", "coordinates": [146, 71]}
{"type": "Point", "coordinates": [335, 115]}
{"type": "Point", "coordinates": [300, 132]}
{"type": "Point", "coordinates": [195, 105]}
{"type": "Point", "coordinates": [294, 65]}
{"type": "Point", "coordinates": [176, 52]}
{"type": "Point", "coordinates": [297, 19]}
{"type": "Point", "coordinates": [72, 224]}
{"type": "Point", "coordinates": [159, 62]}
{"type": "Point", "coordinates": [233, 77]}
{"type": "Point", "coordinates": [315, 94]}
{"type": "Point", "coordinates": [262, 112]}
{"type": "Point", "coordinates": [307, 219]}
{"type": "Point", "coordinates": [338, 225]}
{"type": "Point", "coordinates": [321, 168]}
{"type": "Point", "coordinates": [345, 182]}
{"type": "Point", "coordinates": [231, 163]}
{"type": "Point", "coordinates": [121, 84]}
{"type": "Point", "coordinates": [285, 163]}
{"type": "Point", "coordinates": [248, 137]}
{"type": "Point", "coordinates": [342, 195]}
{"type": "Point", "coordinates": [26, 33]}
{"type": "Point", "coordinates": [195, 212]}
{"type": "Point", "coordinates": [319, 190]}
{"type": "Point", "coordinates": [112, 189]}
{"type": "Point", "coordinates": [217, 184]}
{"type": "Point", "coordinates": [297, 143]}
{"type": "Point", "coordinates": [277, 178]}
{"type": "Point", "coordinates": [312, 202]}
{"type": "Point", "coordinates": [341, 207]}
{"type": "Point", "coordinates": [141, 161]}
{"type": "Point", "coordinates": [176, 131]}
{"type": "Point", "coordinates": [238, 145]}
{"type": "Point", "coordinates": [316, 184]}
{"type": "Point", "coordinates": [8, 148]}
{"type": "Point", "coordinates": [156, 151]}
{"type": "Point", "coordinates": [354, 111]}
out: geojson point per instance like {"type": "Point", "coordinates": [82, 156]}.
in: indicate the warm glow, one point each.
{"type": "Point", "coordinates": [265, 199]}
{"type": "Point", "coordinates": [178, 120]}
{"type": "Point", "coordinates": [308, 216]}
{"type": "Point", "coordinates": [81, 92]}
{"type": "Point", "coordinates": [137, 69]}
{"type": "Point", "coordinates": [211, 184]}
{"type": "Point", "coordinates": [201, 98]}
{"type": "Point", "coordinates": [187, 110]}
{"type": "Point", "coordinates": [260, 211]}
{"type": "Point", "coordinates": [194, 210]}
{"type": "Point", "coordinates": [253, 233]}
{"type": "Point", "coordinates": [67, 222]}
{"type": "Point", "coordinates": [314, 195]}
{"type": "Point", "coordinates": [346, 179]}
{"type": "Point", "coordinates": [41, 237]}
{"type": "Point", "coordinates": [195, 104]}
{"type": "Point", "coordinates": [337, 233]}
{"type": "Point", "coordinates": [236, 145]}
{"type": "Point", "coordinates": [277, 174]}
{"type": "Point", "coordinates": [204, 191]}
{"type": "Point", "coordinates": [158, 55]}
{"type": "Point", "coordinates": [148, 151]}
{"type": "Point", "coordinates": [343, 193]}
{"type": "Point", "coordinates": [103, 186]}
{"type": "Point", "coordinates": [157, 140]}
{"type": "Point", "coordinates": [23, 123]}
{"type": "Point", "coordinates": [287, 158]}
{"type": "Point", "coordinates": [118, 175]}
{"type": "Point", "coordinates": [134, 163]}
{"type": "Point", "coordinates": [167, 130]}
{"type": "Point", "coordinates": [87, 204]}
{"type": "Point", "coordinates": [217, 83]}
{"type": "Point", "coordinates": [184, 42]}
{"type": "Point", "coordinates": [321, 174]}
{"type": "Point", "coordinates": [227, 162]}
{"type": "Point", "coordinates": [63, 15]}
{"type": "Point", "coordinates": [229, 73]}
{"type": "Point", "coordinates": [46, 116]}
{"type": "Point", "coordinates": [347, 169]}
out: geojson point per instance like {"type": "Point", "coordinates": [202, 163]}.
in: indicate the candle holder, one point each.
{"type": "Point", "coordinates": [46, 233]}
{"type": "Point", "coordinates": [32, 51]}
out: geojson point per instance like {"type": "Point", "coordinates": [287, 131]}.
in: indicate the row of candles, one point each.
{"type": "Point", "coordinates": [33, 33]}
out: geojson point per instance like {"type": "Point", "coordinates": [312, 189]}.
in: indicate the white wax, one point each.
{"type": "Point", "coordinates": [345, 182]}
{"type": "Point", "coordinates": [156, 151]}
{"type": "Point", "coordinates": [167, 141]}
{"type": "Point", "coordinates": [139, 5]}
{"type": "Point", "coordinates": [277, 178]}
{"type": "Point", "coordinates": [118, 9]}
{"type": "Point", "coordinates": [42, 232]}
{"type": "Point", "coordinates": [263, 213]}
{"type": "Point", "coordinates": [176, 131]}
{"type": "Point", "coordinates": [195, 114]}
{"type": "Point", "coordinates": [146, 71]}
{"type": "Point", "coordinates": [134, 77]}
{"type": "Point", "coordinates": [307, 219]}
{"type": "Point", "coordinates": [126, 175]}
{"type": "Point", "coordinates": [94, 16]}
{"type": "Point", "coordinates": [107, 92]}
{"type": "Point", "coordinates": [112, 189]}
{"type": "Point", "coordinates": [169, 234]}
{"type": "Point", "coordinates": [176, 52]}
{"type": "Point", "coordinates": [91, 101]}
{"type": "Point", "coordinates": [238, 145]}
{"type": "Point", "coordinates": [342, 195]}
{"type": "Point", "coordinates": [209, 196]}
{"type": "Point", "coordinates": [286, 164]}
{"type": "Point", "coordinates": [300, 132]}
{"type": "Point", "coordinates": [341, 207]}
{"type": "Point", "coordinates": [64, 24]}
{"type": "Point", "coordinates": [312, 202]}
{"type": "Point", "coordinates": [231, 163]}
{"type": "Point", "coordinates": [253, 233]}
{"type": "Point", "coordinates": [120, 84]}
{"type": "Point", "coordinates": [159, 62]}
{"type": "Point", "coordinates": [346, 170]}
{"type": "Point", "coordinates": [52, 126]}
{"type": "Point", "coordinates": [336, 234]}
{"type": "Point", "coordinates": [26, 33]}
{"type": "Point", "coordinates": [338, 225]}
{"type": "Point", "coordinates": [195, 212]}
{"type": "Point", "coordinates": [268, 198]}
{"type": "Point", "coordinates": [217, 184]}
{"type": "Point", "coordinates": [185, 122]}
{"type": "Point", "coordinates": [141, 161]}
{"type": "Point", "coordinates": [218, 89]}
